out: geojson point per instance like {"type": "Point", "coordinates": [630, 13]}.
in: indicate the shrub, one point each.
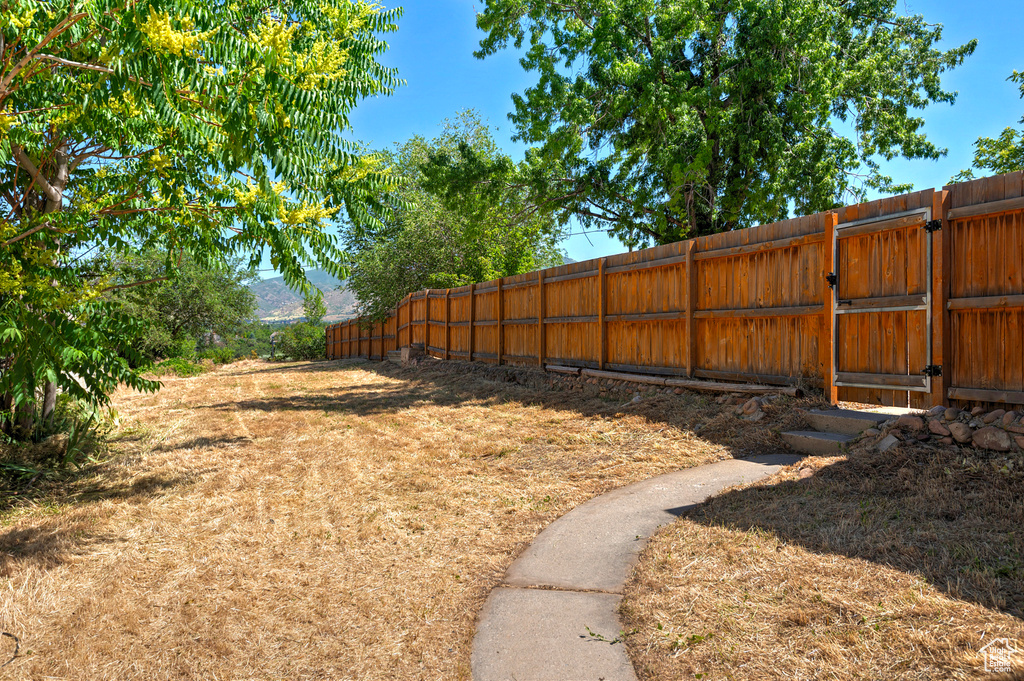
{"type": "Point", "coordinates": [179, 366]}
{"type": "Point", "coordinates": [219, 355]}
{"type": "Point", "coordinates": [183, 348]}
{"type": "Point", "coordinates": [71, 438]}
{"type": "Point", "coordinates": [301, 341]}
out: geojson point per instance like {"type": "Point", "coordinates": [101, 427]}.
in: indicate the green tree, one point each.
{"type": "Point", "coordinates": [313, 306]}
{"type": "Point", "coordinates": [206, 130]}
{"type": "Point", "coordinates": [462, 213]}
{"type": "Point", "coordinates": [301, 340]}
{"type": "Point", "coordinates": [660, 120]}
{"type": "Point", "coordinates": [1003, 154]}
{"type": "Point", "coordinates": [184, 301]}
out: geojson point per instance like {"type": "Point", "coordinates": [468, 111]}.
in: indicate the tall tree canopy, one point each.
{"type": "Point", "coordinates": [183, 302]}
{"type": "Point", "coordinates": [664, 119]}
{"type": "Point", "coordinates": [1003, 154]}
{"type": "Point", "coordinates": [204, 129]}
{"type": "Point", "coordinates": [463, 213]}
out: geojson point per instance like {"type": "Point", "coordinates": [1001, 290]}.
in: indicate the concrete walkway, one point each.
{"type": "Point", "coordinates": [534, 627]}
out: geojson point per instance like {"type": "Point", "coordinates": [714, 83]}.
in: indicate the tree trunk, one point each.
{"type": "Point", "coordinates": [24, 421]}
{"type": "Point", "coordinates": [6, 402]}
{"type": "Point", "coordinates": [49, 402]}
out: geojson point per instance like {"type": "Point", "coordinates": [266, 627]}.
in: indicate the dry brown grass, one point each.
{"type": "Point", "coordinates": [879, 566]}
{"type": "Point", "coordinates": [319, 521]}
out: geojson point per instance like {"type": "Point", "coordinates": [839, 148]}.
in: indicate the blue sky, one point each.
{"type": "Point", "coordinates": [433, 51]}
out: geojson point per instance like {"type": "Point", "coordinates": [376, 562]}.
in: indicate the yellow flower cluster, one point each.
{"type": "Point", "coordinates": [304, 213]}
{"type": "Point", "coordinates": [126, 107]}
{"type": "Point", "coordinates": [325, 61]}
{"type": "Point", "coordinates": [162, 35]}
{"type": "Point", "coordinates": [277, 38]}
{"type": "Point", "coordinates": [6, 120]}
{"type": "Point", "coordinates": [282, 117]}
{"type": "Point", "coordinates": [159, 162]}
{"type": "Point", "coordinates": [245, 198]}
{"type": "Point", "coordinates": [66, 117]}
{"type": "Point", "coordinates": [351, 23]}
{"type": "Point", "coordinates": [19, 23]}
{"type": "Point", "coordinates": [364, 166]}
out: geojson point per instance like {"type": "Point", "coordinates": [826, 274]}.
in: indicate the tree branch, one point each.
{"type": "Point", "coordinates": [26, 163]}
{"type": "Point", "coordinates": [69, 20]}
{"type": "Point", "coordinates": [41, 226]}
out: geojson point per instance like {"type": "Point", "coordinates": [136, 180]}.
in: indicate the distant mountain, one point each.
{"type": "Point", "coordinates": [278, 303]}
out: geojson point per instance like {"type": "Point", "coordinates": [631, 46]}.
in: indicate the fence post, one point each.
{"type": "Point", "coordinates": [426, 323]}
{"type": "Point", "coordinates": [501, 322]}
{"type": "Point", "coordinates": [540, 318]}
{"type": "Point", "coordinates": [941, 278]}
{"type": "Point", "coordinates": [472, 317]}
{"type": "Point", "coordinates": [691, 305]}
{"type": "Point", "coordinates": [447, 328]}
{"type": "Point", "coordinates": [827, 339]}
{"type": "Point", "coordinates": [602, 348]}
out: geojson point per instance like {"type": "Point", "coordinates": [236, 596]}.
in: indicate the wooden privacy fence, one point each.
{"type": "Point", "coordinates": [912, 300]}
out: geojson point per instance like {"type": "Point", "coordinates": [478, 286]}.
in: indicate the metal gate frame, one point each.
{"type": "Point", "coordinates": [910, 382]}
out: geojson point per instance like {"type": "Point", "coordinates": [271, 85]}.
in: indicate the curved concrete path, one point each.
{"type": "Point", "coordinates": [534, 627]}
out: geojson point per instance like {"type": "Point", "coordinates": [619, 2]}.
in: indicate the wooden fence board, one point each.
{"type": "Point", "coordinates": [754, 303]}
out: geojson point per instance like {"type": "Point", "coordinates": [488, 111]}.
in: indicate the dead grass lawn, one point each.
{"type": "Point", "coordinates": [319, 521]}
{"type": "Point", "coordinates": [879, 566]}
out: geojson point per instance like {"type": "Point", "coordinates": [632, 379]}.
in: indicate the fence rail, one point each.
{"type": "Point", "coordinates": [909, 301]}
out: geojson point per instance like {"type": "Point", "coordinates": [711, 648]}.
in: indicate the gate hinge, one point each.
{"type": "Point", "coordinates": [832, 279]}
{"type": "Point", "coordinates": [932, 370]}
{"type": "Point", "coordinates": [933, 226]}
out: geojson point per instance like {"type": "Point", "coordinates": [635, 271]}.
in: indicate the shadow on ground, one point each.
{"type": "Point", "coordinates": [454, 383]}
{"type": "Point", "coordinates": [67, 534]}
{"type": "Point", "coordinates": [957, 522]}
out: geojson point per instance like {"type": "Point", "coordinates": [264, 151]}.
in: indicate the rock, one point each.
{"type": "Point", "coordinates": [936, 410]}
{"type": "Point", "coordinates": [961, 432]}
{"type": "Point", "coordinates": [755, 417]}
{"type": "Point", "coordinates": [914, 423]}
{"type": "Point", "coordinates": [887, 443]}
{"type": "Point", "coordinates": [924, 436]}
{"type": "Point", "coordinates": [1019, 439]}
{"type": "Point", "coordinates": [678, 391]}
{"type": "Point", "coordinates": [1009, 417]}
{"type": "Point", "coordinates": [976, 424]}
{"type": "Point", "coordinates": [737, 400]}
{"type": "Point", "coordinates": [751, 406]}
{"type": "Point", "coordinates": [977, 410]}
{"type": "Point", "coordinates": [994, 416]}
{"type": "Point", "coordinates": [871, 432]}
{"type": "Point", "coordinates": [951, 414]}
{"type": "Point", "coordinates": [806, 473]}
{"type": "Point", "coordinates": [992, 438]}
{"type": "Point", "coordinates": [946, 440]}
{"type": "Point", "coordinates": [1016, 428]}
{"type": "Point", "coordinates": [936, 427]}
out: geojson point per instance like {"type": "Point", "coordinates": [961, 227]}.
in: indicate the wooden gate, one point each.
{"type": "Point", "coordinates": [881, 296]}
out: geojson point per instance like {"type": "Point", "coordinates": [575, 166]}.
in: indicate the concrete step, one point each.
{"type": "Point", "coordinates": [843, 421]}
{"type": "Point", "coordinates": [816, 443]}
{"type": "Point", "coordinates": [395, 356]}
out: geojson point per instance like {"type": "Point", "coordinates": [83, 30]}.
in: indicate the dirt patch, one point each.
{"type": "Point", "coordinates": [902, 564]}
{"type": "Point", "coordinates": [323, 520]}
